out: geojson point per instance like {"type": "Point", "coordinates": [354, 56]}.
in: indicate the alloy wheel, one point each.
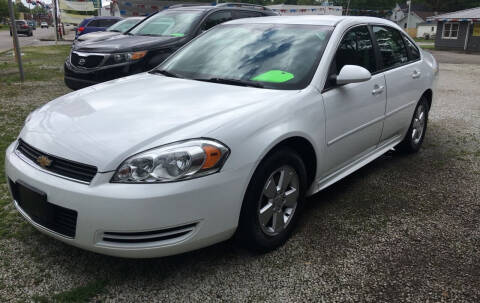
{"type": "Point", "coordinates": [279, 200]}
{"type": "Point", "coordinates": [418, 124]}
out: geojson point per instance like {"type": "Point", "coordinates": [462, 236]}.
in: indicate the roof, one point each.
{"type": "Point", "coordinates": [422, 15]}
{"type": "Point", "coordinates": [327, 20]}
{"type": "Point", "coordinates": [431, 23]}
{"type": "Point", "coordinates": [464, 15]}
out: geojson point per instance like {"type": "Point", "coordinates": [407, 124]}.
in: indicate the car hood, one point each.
{"type": "Point", "coordinates": [126, 43]}
{"type": "Point", "coordinates": [96, 36]}
{"type": "Point", "coordinates": [104, 124]}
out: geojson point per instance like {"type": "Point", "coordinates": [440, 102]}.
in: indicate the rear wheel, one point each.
{"type": "Point", "coordinates": [273, 201]}
{"type": "Point", "coordinates": [418, 127]}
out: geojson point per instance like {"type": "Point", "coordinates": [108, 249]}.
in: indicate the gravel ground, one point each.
{"type": "Point", "coordinates": [404, 228]}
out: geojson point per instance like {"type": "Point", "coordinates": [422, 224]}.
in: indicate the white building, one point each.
{"type": "Point", "coordinates": [426, 29]}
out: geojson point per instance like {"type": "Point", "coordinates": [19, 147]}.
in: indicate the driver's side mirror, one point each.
{"type": "Point", "coordinates": [352, 74]}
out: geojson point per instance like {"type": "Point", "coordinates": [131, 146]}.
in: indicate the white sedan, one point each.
{"type": "Point", "coordinates": [227, 136]}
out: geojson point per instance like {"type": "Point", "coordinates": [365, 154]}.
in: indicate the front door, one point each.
{"type": "Point", "coordinates": [354, 112]}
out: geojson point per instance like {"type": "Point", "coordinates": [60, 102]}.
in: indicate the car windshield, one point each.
{"type": "Point", "coordinates": [278, 56]}
{"type": "Point", "coordinates": [167, 23]}
{"type": "Point", "coordinates": [124, 25]}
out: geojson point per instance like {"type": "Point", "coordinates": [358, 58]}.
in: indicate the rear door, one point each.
{"type": "Point", "coordinates": [354, 112]}
{"type": "Point", "coordinates": [401, 63]}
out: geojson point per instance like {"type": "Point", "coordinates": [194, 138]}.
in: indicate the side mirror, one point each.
{"type": "Point", "coordinates": [353, 74]}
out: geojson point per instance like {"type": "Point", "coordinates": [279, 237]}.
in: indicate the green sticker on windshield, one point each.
{"type": "Point", "coordinates": [276, 76]}
{"type": "Point", "coordinates": [177, 35]}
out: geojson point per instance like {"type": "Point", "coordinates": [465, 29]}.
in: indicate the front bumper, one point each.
{"type": "Point", "coordinates": [210, 205]}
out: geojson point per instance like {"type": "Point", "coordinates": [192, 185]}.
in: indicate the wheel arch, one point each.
{"type": "Point", "coordinates": [304, 148]}
{"type": "Point", "coordinates": [428, 95]}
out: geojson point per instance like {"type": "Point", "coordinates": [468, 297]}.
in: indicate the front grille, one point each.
{"type": "Point", "coordinates": [62, 167]}
{"type": "Point", "coordinates": [60, 219]}
{"type": "Point", "coordinates": [89, 61]}
{"type": "Point", "coordinates": [149, 236]}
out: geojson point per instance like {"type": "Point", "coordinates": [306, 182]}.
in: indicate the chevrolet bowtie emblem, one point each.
{"type": "Point", "coordinates": [43, 161]}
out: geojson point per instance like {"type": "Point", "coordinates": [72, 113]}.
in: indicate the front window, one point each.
{"type": "Point", "coordinates": [123, 26]}
{"type": "Point", "coordinates": [450, 30]}
{"type": "Point", "coordinates": [391, 45]}
{"type": "Point", "coordinates": [168, 23]}
{"type": "Point", "coordinates": [277, 56]}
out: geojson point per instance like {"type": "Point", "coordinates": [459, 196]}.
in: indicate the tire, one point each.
{"type": "Point", "coordinates": [263, 197]}
{"type": "Point", "coordinates": [416, 132]}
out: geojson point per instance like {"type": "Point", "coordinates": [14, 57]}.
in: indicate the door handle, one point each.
{"type": "Point", "coordinates": [377, 90]}
{"type": "Point", "coordinates": [416, 74]}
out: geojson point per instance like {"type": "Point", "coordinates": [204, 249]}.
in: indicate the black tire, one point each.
{"type": "Point", "coordinates": [412, 144]}
{"type": "Point", "coordinates": [250, 233]}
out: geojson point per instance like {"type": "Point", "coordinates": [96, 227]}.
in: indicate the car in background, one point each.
{"type": "Point", "coordinates": [95, 24]}
{"type": "Point", "coordinates": [149, 43]}
{"type": "Point", "coordinates": [32, 24]}
{"type": "Point", "coordinates": [117, 29]}
{"type": "Point", "coordinates": [23, 28]}
{"type": "Point", "coordinates": [44, 24]}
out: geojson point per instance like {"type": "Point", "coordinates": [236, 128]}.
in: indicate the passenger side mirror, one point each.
{"type": "Point", "coordinates": [353, 74]}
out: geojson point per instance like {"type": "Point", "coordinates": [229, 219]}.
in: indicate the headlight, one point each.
{"type": "Point", "coordinates": [126, 57]}
{"type": "Point", "coordinates": [178, 161]}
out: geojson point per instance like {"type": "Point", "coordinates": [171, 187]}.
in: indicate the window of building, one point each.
{"type": "Point", "coordinates": [450, 30]}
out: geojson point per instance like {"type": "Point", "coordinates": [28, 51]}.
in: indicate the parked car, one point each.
{"type": "Point", "coordinates": [32, 24]}
{"type": "Point", "coordinates": [22, 28]}
{"type": "Point", "coordinates": [117, 29]}
{"type": "Point", "coordinates": [95, 24]}
{"type": "Point", "coordinates": [228, 135]}
{"type": "Point", "coordinates": [149, 43]}
{"type": "Point", "coordinates": [44, 24]}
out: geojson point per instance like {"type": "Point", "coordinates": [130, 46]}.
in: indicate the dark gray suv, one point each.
{"type": "Point", "coordinates": [23, 28]}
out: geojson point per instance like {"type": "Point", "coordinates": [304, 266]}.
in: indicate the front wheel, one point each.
{"type": "Point", "coordinates": [418, 127]}
{"type": "Point", "coordinates": [273, 201]}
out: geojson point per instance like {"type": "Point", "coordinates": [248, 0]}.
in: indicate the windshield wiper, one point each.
{"type": "Point", "coordinates": [232, 82]}
{"type": "Point", "coordinates": [165, 73]}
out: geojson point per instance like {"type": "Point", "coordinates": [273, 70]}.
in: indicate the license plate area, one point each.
{"type": "Point", "coordinates": [34, 203]}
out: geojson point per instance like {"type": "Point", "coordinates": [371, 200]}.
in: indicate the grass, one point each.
{"type": "Point", "coordinates": [428, 47]}
{"type": "Point", "coordinates": [423, 40]}
{"type": "Point", "coordinates": [39, 64]}
{"type": "Point", "coordinates": [44, 76]}
{"type": "Point", "coordinates": [78, 294]}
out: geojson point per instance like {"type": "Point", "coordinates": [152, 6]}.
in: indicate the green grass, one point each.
{"type": "Point", "coordinates": [428, 47]}
{"type": "Point", "coordinates": [44, 81]}
{"type": "Point", "coordinates": [78, 294]}
{"type": "Point", "coordinates": [423, 40]}
{"type": "Point", "coordinates": [39, 64]}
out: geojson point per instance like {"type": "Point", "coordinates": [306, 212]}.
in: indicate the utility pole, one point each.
{"type": "Point", "coordinates": [348, 7]}
{"type": "Point", "coordinates": [55, 19]}
{"type": "Point", "coordinates": [408, 18]}
{"type": "Point", "coordinates": [16, 46]}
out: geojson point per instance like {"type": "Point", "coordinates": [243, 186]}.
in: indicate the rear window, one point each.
{"type": "Point", "coordinates": [246, 14]}
{"type": "Point", "coordinates": [107, 22]}
{"type": "Point", "coordinates": [20, 22]}
{"type": "Point", "coordinates": [85, 21]}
